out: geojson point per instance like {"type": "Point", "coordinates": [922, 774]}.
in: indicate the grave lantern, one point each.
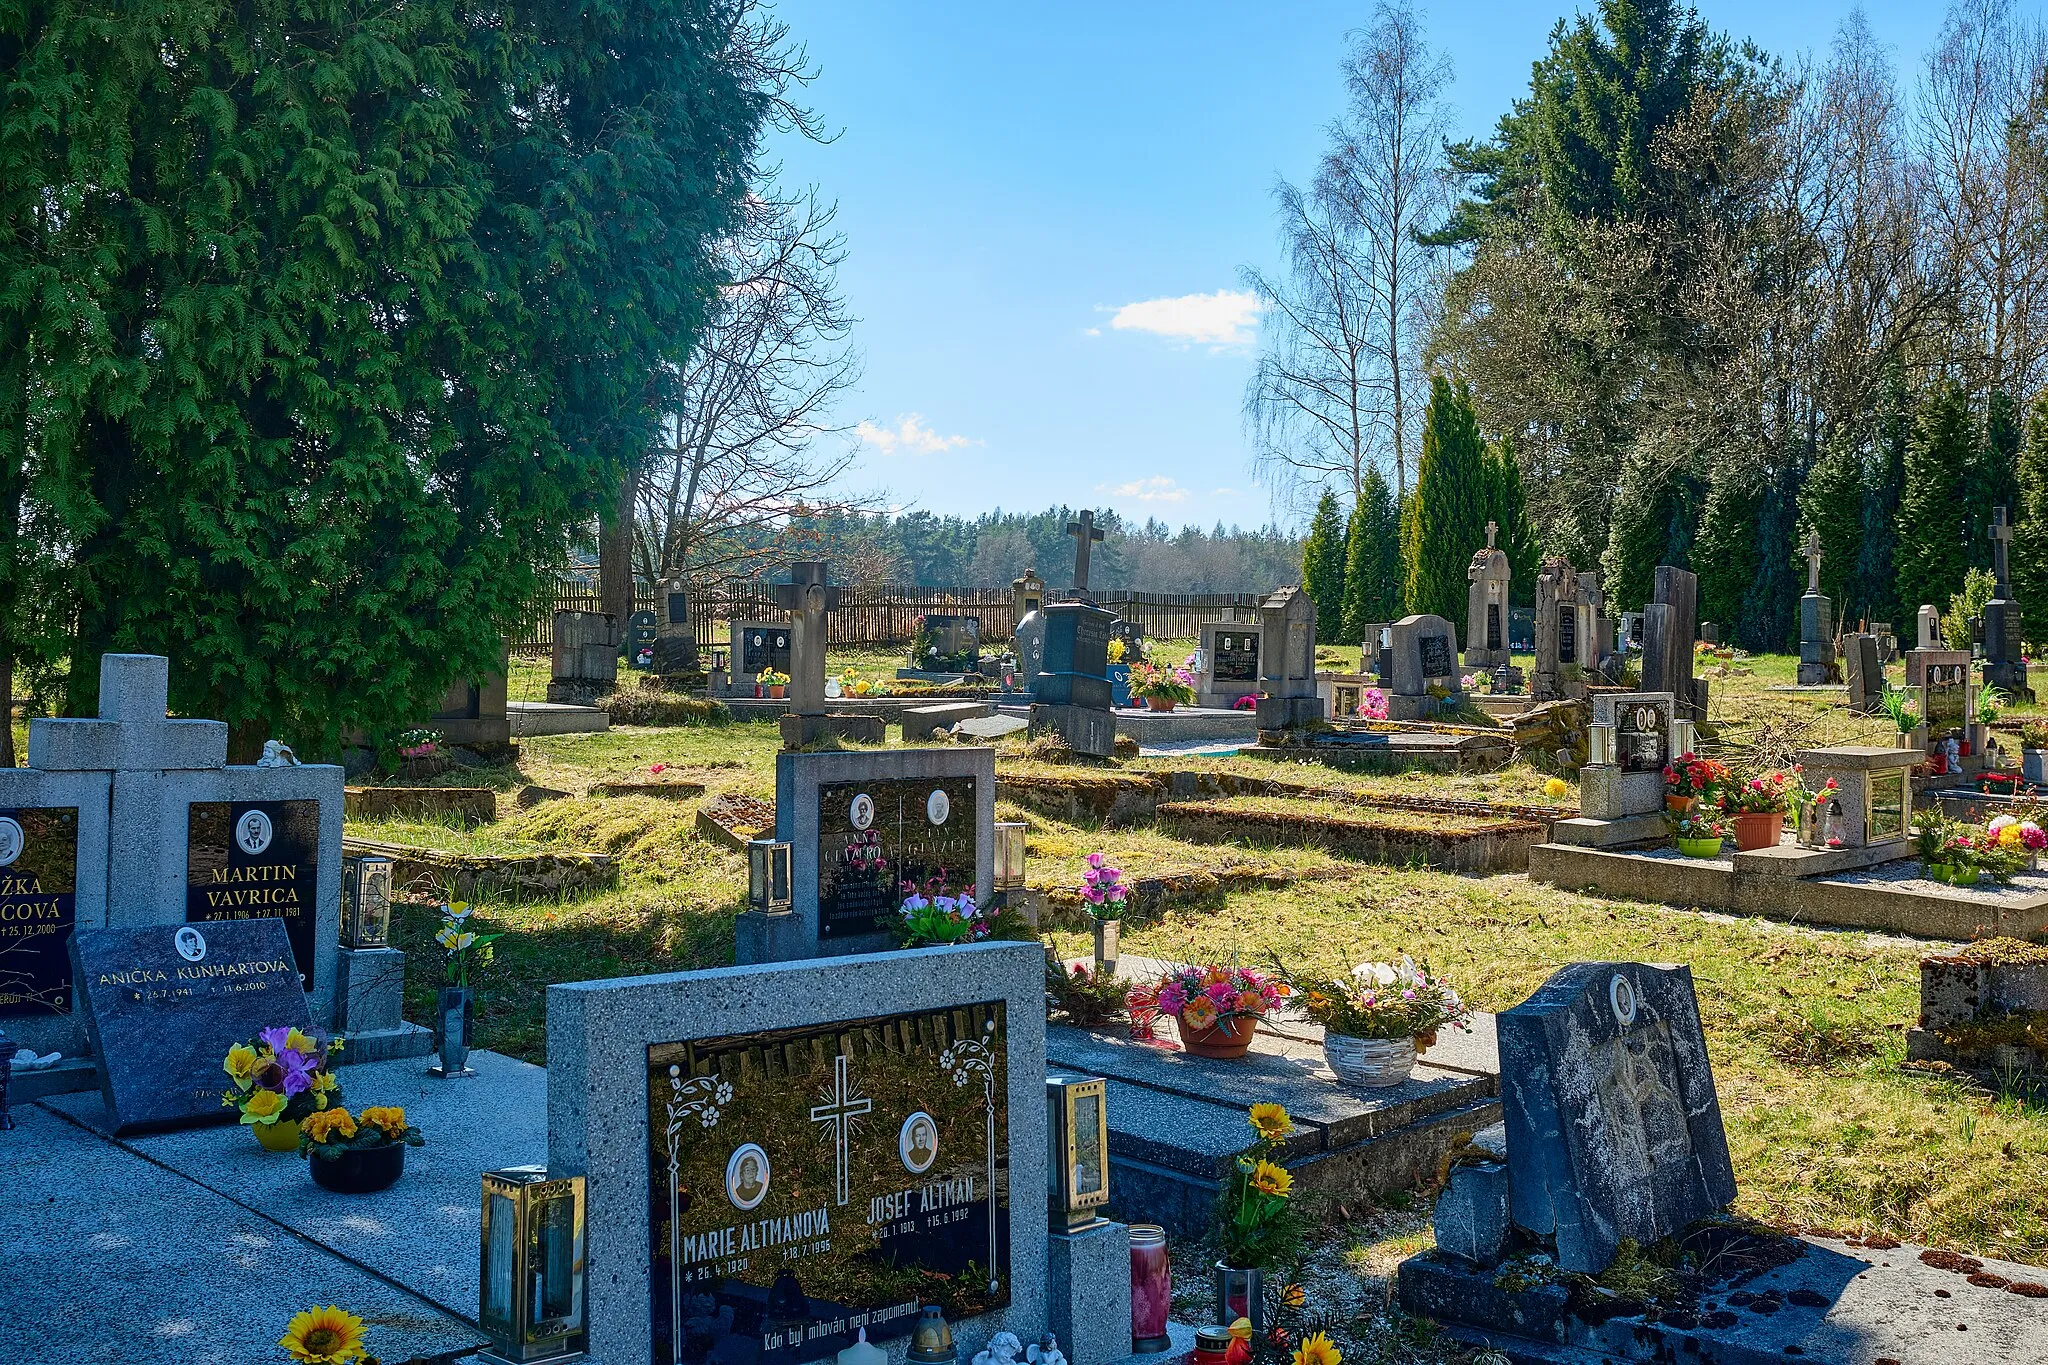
{"type": "Point", "coordinates": [1009, 869]}
{"type": "Point", "coordinates": [1077, 1124]}
{"type": "Point", "coordinates": [532, 1289]}
{"type": "Point", "coordinates": [365, 901]}
{"type": "Point", "coordinates": [768, 876]}
{"type": "Point", "coordinates": [1599, 746]}
{"type": "Point", "coordinates": [1683, 738]}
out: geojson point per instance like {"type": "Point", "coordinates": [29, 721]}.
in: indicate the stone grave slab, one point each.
{"type": "Point", "coordinates": [1614, 1129]}
{"type": "Point", "coordinates": [163, 1004]}
{"type": "Point", "coordinates": [758, 646]}
{"type": "Point", "coordinates": [992, 727]}
{"type": "Point", "coordinates": [830, 1107]}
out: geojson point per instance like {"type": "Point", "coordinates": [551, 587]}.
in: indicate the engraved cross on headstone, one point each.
{"type": "Point", "coordinates": [1085, 532]}
{"type": "Point", "coordinates": [2001, 536]}
{"type": "Point", "coordinates": [1812, 550]}
{"type": "Point", "coordinates": [807, 597]}
{"type": "Point", "coordinates": [840, 1104]}
{"type": "Point", "coordinates": [1492, 530]}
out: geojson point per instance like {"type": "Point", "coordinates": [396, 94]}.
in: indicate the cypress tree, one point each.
{"type": "Point", "coordinates": [1322, 567]}
{"type": "Point", "coordinates": [1724, 553]}
{"type": "Point", "coordinates": [1831, 506]}
{"type": "Point", "coordinates": [1931, 556]}
{"type": "Point", "coordinates": [1876, 583]}
{"type": "Point", "coordinates": [1993, 474]}
{"type": "Point", "coordinates": [1447, 520]}
{"type": "Point", "coordinates": [1372, 560]}
{"type": "Point", "coordinates": [1510, 508]}
{"type": "Point", "coordinates": [2029, 549]}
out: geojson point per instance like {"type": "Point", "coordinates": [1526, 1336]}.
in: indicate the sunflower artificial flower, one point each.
{"type": "Point", "coordinates": [1293, 1296]}
{"type": "Point", "coordinates": [1274, 1180]}
{"type": "Point", "coordinates": [1270, 1121]}
{"type": "Point", "coordinates": [1318, 1349]}
{"type": "Point", "coordinates": [326, 1336]}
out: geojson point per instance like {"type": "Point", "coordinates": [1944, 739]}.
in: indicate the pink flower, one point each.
{"type": "Point", "coordinates": [657, 767]}
{"type": "Point", "coordinates": [1173, 998]}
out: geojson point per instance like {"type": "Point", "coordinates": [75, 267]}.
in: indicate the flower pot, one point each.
{"type": "Point", "coordinates": [1700, 848]}
{"type": "Point", "coordinates": [1369, 1063]}
{"type": "Point", "coordinates": [454, 1017]}
{"type": "Point", "coordinates": [281, 1135]}
{"type": "Point", "coordinates": [1108, 937]}
{"type": "Point", "coordinates": [1226, 1038]}
{"type": "Point", "coordinates": [1754, 830]}
{"type": "Point", "coordinates": [775, 693]}
{"type": "Point", "coordinates": [1160, 703]}
{"type": "Point", "coordinates": [1241, 1294]}
{"type": "Point", "coordinates": [1938, 872]}
{"type": "Point", "coordinates": [360, 1170]}
{"type": "Point", "coordinates": [1679, 805]}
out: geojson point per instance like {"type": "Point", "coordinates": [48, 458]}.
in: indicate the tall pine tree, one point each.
{"type": "Point", "coordinates": [1876, 582]}
{"type": "Point", "coordinates": [1992, 474]}
{"type": "Point", "coordinates": [1724, 552]}
{"type": "Point", "coordinates": [1372, 560]}
{"type": "Point", "coordinates": [1931, 556]}
{"type": "Point", "coordinates": [2029, 549]}
{"type": "Point", "coordinates": [1447, 519]}
{"type": "Point", "coordinates": [1322, 567]}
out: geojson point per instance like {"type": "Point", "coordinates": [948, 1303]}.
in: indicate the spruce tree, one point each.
{"type": "Point", "coordinates": [1372, 560]}
{"type": "Point", "coordinates": [1993, 473]}
{"type": "Point", "coordinates": [1876, 583]}
{"type": "Point", "coordinates": [2029, 548]}
{"type": "Point", "coordinates": [1831, 505]}
{"type": "Point", "coordinates": [1724, 551]}
{"type": "Point", "coordinates": [1447, 523]}
{"type": "Point", "coordinates": [1509, 507]}
{"type": "Point", "coordinates": [1322, 567]}
{"type": "Point", "coordinates": [1931, 555]}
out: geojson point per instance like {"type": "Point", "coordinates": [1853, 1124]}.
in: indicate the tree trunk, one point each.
{"type": "Point", "coordinates": [615, 552]}
{"type": "Point", "coordinates": [245, 740]}
{"type": "Point", "coordinates": [7, 754]}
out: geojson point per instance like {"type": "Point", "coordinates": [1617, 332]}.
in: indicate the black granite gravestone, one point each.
{"type": "Point", "coordinates": [164, 1002]}
{"type": "Point", "coordinates": [1613, 1127]}
{"type": "Point", "coordinates": [1435, 651]}
{"type": "Point", "coordinates": [38, 909]}
{"type": "Point", "coordinates": [874, 837]}
{"type": "Point", "coordinates": [1237, 655]}
{"type": "Point", "coordinates": [762, 647]}
{"type": "Point", "coordinates": [253, 860]}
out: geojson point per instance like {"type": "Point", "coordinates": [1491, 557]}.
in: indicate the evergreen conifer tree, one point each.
{"type": "Point", "coordinates": [1931, 555]}
{"type": "Point", "coordinates": [1876, 583]}
{"type": "Point", "coordinates": [2029, 549]}
{"type": "Point", "coordinates": [1831, 505]}
{"type": "Point", "coordinates": [1447, 519]}
{"type": "Point", "coordinates": [1993, 474]}
{"type": "Point", "coordinates": [1724, 551]}
{"type": "Point", "coordinates": [1509, 507]}
{"type": "Point", "coordinates": [1372, 560]}
{"type": "Point", "coordinates": [1322, 567]}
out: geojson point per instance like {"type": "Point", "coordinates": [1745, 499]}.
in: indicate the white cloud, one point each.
{"type": "Point", "coordinates": [1224, 318]}
{"type": "Point", "coordinates": [1158, 488]}
{"type": "Point", "coordinates": [1091, 332]}
{"type": "Point", "coordinates": [910, 436]}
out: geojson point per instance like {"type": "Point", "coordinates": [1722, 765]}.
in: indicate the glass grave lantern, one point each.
{"type": "Point", "coordinates": [1599, 746]}
{"type": "Point", "coordinates": [365, 901]}
{"type": "Point", "coordinates": [1684, 737]}
{"type": "Point", "coordinates": [532, 1291]}
{"type": "Point", "coordinates": [768, 876]}
{"type": "Point", "coordinates": [1009, 869]}
{"type": "Point", "coordinates": [1077, 1125]}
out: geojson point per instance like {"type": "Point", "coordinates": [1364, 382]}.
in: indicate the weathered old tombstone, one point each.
{"type": "Point", "coordinates": [809, 598]}
{"type": "Point", "coordinates": [1595, 631]}
{"type": "Point", "coordinates": [1816, 623]}
{"type": "Point", "coordinates": [1486, 606]}
{"type": "Point", "coordinates": [1288, 702]}
{"type": "Point", "coordinates": [1710, 633]}
{"type": "Point", "coordinates": [1632, 632]}
{"type": "Point", "coordinates": [1669, 625]}
{"type": "Point", "coordinates": [1887, 641]}
{"type": "Point", "coordinates": [861, 825]}
{"type": "Point", "coordinates": [1864, 671]}
{"type": "Point", "coordinates": [826, 1117]}
{"type": "Point", "coordinates": [944, 645]}
{"type": "Point", "coordinates": [473, 715]}
{"type": "Point", "coordinates": [586, 657]}
{"type": "Point", "coordinates": [1230, 663]}
{"type": "Point", "coordinates": [1557, 628]}
{"type": "Point", "coordinates": [1027, 644]}
{"type": "Point", "coordinates": [2005, 660]}
{"type": "Point", "coordinates": [1425, 662]}
{"type": "Point", "coordinates": [675, 633]}
{"type": "Point", "coordinates": [1930, 636]}
{"type": "Point", "coordinates": [1071, 693]}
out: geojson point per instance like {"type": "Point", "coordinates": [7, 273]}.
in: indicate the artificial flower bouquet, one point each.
{"type": "Point", "coordinates": [931, 916]}
{"type": "Point", "coordinates": [462, 945]}
{"type": "Point", "coordinates": [326, 1336]}
{"type": "Point", "coordinates": [333, 1133]}
{"type": "Point", "coordinates": [769, 677]}
{"type": "Point", "coordinates": [2025, 836]}
{"type": "Point", "coordinates": [1087, 997]}
{"type": "Point", "coordinates": [1385, 1001]}
{"type": "Point", "coordinates": [1372, 704]}
{"type": "Point", "coordinates": [1116, 651]}
{"type": "Point", "coordinates": [281, 1076]}
{"type": "Point", "coordinates": [1257, 1224]}
{"type": "Point", "coordinates": [1203, 997]}
{"type": "Point", "coordinates": [418, 744]}
{"type": "Point", "coordinates": [1693, 778]}
{"type": "Point", "coordinates": [1157, 682]}
{"type": "Point", "coordinates": [1772, 793]}
{"type": "Point", "coordinates": [1103, 888]}
{"type": "Point", "coordinates": [1701, 824]}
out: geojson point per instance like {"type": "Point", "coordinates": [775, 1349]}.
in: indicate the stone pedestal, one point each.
{"type": "Point", "coordinates": [1086, 729]}
{"type": "Point", "coordinates": [1289, 713]}
{"type": "Point", "coordinates": [1089, 1288]}
{"type": "Point", "coordinates": [801, 732]}
{"type": "Point", "coordinates": [369, 1001]}
{"type": "Point", "coordinates": [759, 937]}
{"type": "Point", "coordinates": [1816, 641]}
{"type": "Point", "coordinates": [1607, 792]}
{"type": "Point", "coordinates": [1471, 1214]}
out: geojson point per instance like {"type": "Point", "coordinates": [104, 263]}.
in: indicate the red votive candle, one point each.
{"type": "Point", "coordinates": [1151, 1288]}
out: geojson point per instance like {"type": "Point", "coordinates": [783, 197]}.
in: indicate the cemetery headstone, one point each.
{"type": "Point", "coordinates": [1027, 594]}
{"type": "Point", "coordinates": [1621, 800]}
{"type": "Point", "coordinates": [1522, 630]}
{"type": "Point", "coordinates": [758, 646]}
{"type": "Point", "coordinates": [586, 657]}
{"type": "Point", "coordinates": [1595, 634]}
{"type": "Point", "coordinates": [1864, 670]}
{"type": "Point", "coordinates": [53, 883]}
{"type": "Point", "coordinates": [756, 1140]}
{"type": "Point", "coordinates": [1071, 694]}
{"type": "Point", "coordinates": [1557, 628]}
{"type": "Point", "coordinates": [944, 644]}
{"type": "Point", "coordinates": [1425, 664]}
{"type": "Point", "coordinates": [675, 633]}
{"type": "Point", "coordinates": [1710, 633]}
{"type": "Point", "coordinates": [1230, 663]}
{"type": "Point", "coordinates": [642, 628]}
{"type": "Point", "coordinates": [861, 825]}
{"type": "Point", "coordinates": [1613, 1125]}
{"type": "Point", "coordinates": [1930, 636]}
{"type": "Point", "coordinates": [1287, 679]}
{"type": "Point", "coordinates": [2005, 660]}
{"type": "Point", "coordinates": [1486, 606]}
{"type": "Point", "coordinates": [1816, 623]}
{"type": "Point", "coordinates": [163, 1003]}
{"type": "Point", "coordinates": [1669, 630]}
{"type": "Point", "coordinates": [1376, 654]}
{"type": "Point", "coordinates": [1887, 641]}
{"type": "Point", "coordinates": [472, 714]}
{"type": "Point", "coordinates": [1948, 697]}
{"type": "Point", "coordinates": [1632, 632]}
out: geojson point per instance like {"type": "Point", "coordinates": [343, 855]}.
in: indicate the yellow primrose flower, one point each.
{"type": "Point", "coordinates": [324, 1336]}
{"type": "Point", "coordinates": [241, 1065]}
{"type": "Point", "coordinates": [1318, 1349]}
{"type": "Point", "coordinates": [387, 1119]}
{"type": "Point", "coordinates": [324, 1081]}
{"type": "Point", "coordinates": [300, 1043]}
{"type": "Point", "coordinates": [1556, 787]}
{"type": "Point", "coordinates": [327, 1125]}
{"type": "Point", "coordinates": [262, 1107]}
{"type": "Point", "coordinates": [1270, 1179]}
{"type": "Point", "coordinates": [1270, 1121]}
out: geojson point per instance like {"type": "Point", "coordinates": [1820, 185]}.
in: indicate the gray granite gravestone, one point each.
{"type": "Point", "coordinates": [1929, 629]}
{"type": "Point", "coordinates": [756, 647]}
{"type": "Point", "coordinates": [1071, 692]}
{"type": "Point", "coordinates": [859, 825]}
{"type": "Point", "coordinates": [1816, 623]}
{"type": "Point", "coordinates": [880, 1106]}
{"type": "Point", "coordinates": [2005, 658]}
{"type": "Point", "coordinates": [586, 657]}
{"type": "Point", "coordinates": [1557, 627]}
{"type": "Point", "coordinates": [1486, 606]}
{"type": "Point", "coordinates": [1287, 663]}
{"type": "Point", "coordinates": [1864, 671]}
{"type": "Point", "coordinates": [1425, 657]}
{"type": "Point", "coordinates": [945, 643]}
{"type": "Point", "coordinates": [163, 1003]}
{"type": "Point", "coordinates": [1613, 1127]}
{"type": "Point", "coordinates": [1669, 626]}
{"type": "Point", "coordinates": [675, 633]}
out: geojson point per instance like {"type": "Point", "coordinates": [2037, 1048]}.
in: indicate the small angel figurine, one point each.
{"type": "Point", "coordinates": [277, 754]}
{"type": "Point", "coordinates": [1003, 1349]}
{"type": "Point", "coordinates": [1046, 1352]}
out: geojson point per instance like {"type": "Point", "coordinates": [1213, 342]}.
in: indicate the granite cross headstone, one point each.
{"type": "Point", "coordinates": [807, 597]}
{"type": "Point", "coordinates": [2005, 663]}
{"type": "Point", "coordinates": [1085, 533]}
{"type": "Point", "coordinates": [1486, 602]}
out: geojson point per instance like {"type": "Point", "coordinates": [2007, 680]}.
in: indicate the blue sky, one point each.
{"type": "Point", "coordinates": [1042, 202]}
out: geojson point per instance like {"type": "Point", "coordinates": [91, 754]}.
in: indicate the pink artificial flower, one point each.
{"type": "Point", "coordinates": [1173, 998]}
{"type": "Point", "coordinates": [657, 767]}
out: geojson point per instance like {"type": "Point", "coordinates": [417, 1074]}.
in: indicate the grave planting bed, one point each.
{"type": "Point", "coordinates": [733, 820]}
{"type": "Point", "coordinates": [1451, 842]}
{"type": "Point", "coordinates": [467, 805]}
{"type": "Point", "coordinates": [440, 872]}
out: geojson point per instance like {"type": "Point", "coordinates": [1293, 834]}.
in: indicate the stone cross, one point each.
{"type": "Point", "coordinates": [2001, 535]}
{"type": "Point", "coordinates": [1492, 530]}
{"type": "Point", "coordinates": [1811, 547]}
{"type": "Point", "coordinates": [807, 598]}
{"type": "Point", "coordinates": [1085, 532]}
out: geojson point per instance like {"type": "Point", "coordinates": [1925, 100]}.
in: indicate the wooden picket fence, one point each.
{"type": "Point", "coordinates": [886, 614]}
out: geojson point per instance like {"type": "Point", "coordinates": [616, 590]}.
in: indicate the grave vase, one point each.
{"type": "Point", "coordinates": [775, 693]}
{"type": "Point", "coordinates": [1159, 703]}
{"type": "Point", "coordinates": [1226, 1039]}
{"type": "Point", "coordinates": [1369, 1063]}
{"type": "Point", "coordinates": [1754, 830]}
{"type": "Point", "coordinates": [456, 1016]}
{"type": "Point", "coordinates": [1241, 1294]}
{"type": "Point", "coordinates": [1108, 940]}
{"type": "Point", "coordinates": [281, 1136]}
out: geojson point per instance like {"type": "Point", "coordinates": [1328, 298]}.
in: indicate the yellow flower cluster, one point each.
{"type": "Point", "coordinates": [1556, 787]}
{"type": "Point", "coordinates": [329, 1125]}
{"type": "Point", "coordinates": [324, 1336]}
{"type": "Point", "coordinates": [386, 1119]}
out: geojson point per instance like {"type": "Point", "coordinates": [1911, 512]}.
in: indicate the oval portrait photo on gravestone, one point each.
{"type": "Point", "coordinates": [11, 840]}
{"type": "Point", "coordinates": [861, 813]}
{"type": "Point", "coordinates": [747, 1174]}
{"type": "Point", "coordinates": [917, 1143]}
{"type": "Point", "coordinates": [937, 807]}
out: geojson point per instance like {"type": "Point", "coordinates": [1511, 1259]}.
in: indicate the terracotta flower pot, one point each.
{"type": "Point", "coordinates": [1754, 830]}
{"type": "Point", "coordinates": [1226, 1038]}
{"type": "Point", "coordinates": [280, 1136]}
{"type": "Point", "coordinates": [1679, 805]}
{"type": "Point", "coordinates": [775, 693]}
{"type": "Point", "coordinates": [1160, 703]}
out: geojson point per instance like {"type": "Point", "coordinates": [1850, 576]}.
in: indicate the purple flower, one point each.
{"type": "Point", "coordinates": [276, 1040]}
{"type": "Point", "coordinates": [298, 1071]}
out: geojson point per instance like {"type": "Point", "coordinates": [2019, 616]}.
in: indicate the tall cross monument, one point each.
{"type": "Point", "coordinates": [1492, 530]}
{"type": "Point", "coordinates": [1085, 533]}
{"type": "Point", "coordinates": [807, 597]}
{"type": "Point", "coordinates": [2001, 539]}
{"type": "Point", "coordinates": [1811, 549]}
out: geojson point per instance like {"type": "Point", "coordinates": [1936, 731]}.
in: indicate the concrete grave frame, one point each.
{"type": "Point", "coordinates": [598, 1036]}
{"type": "Point", "coordinates": [798, 778]}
